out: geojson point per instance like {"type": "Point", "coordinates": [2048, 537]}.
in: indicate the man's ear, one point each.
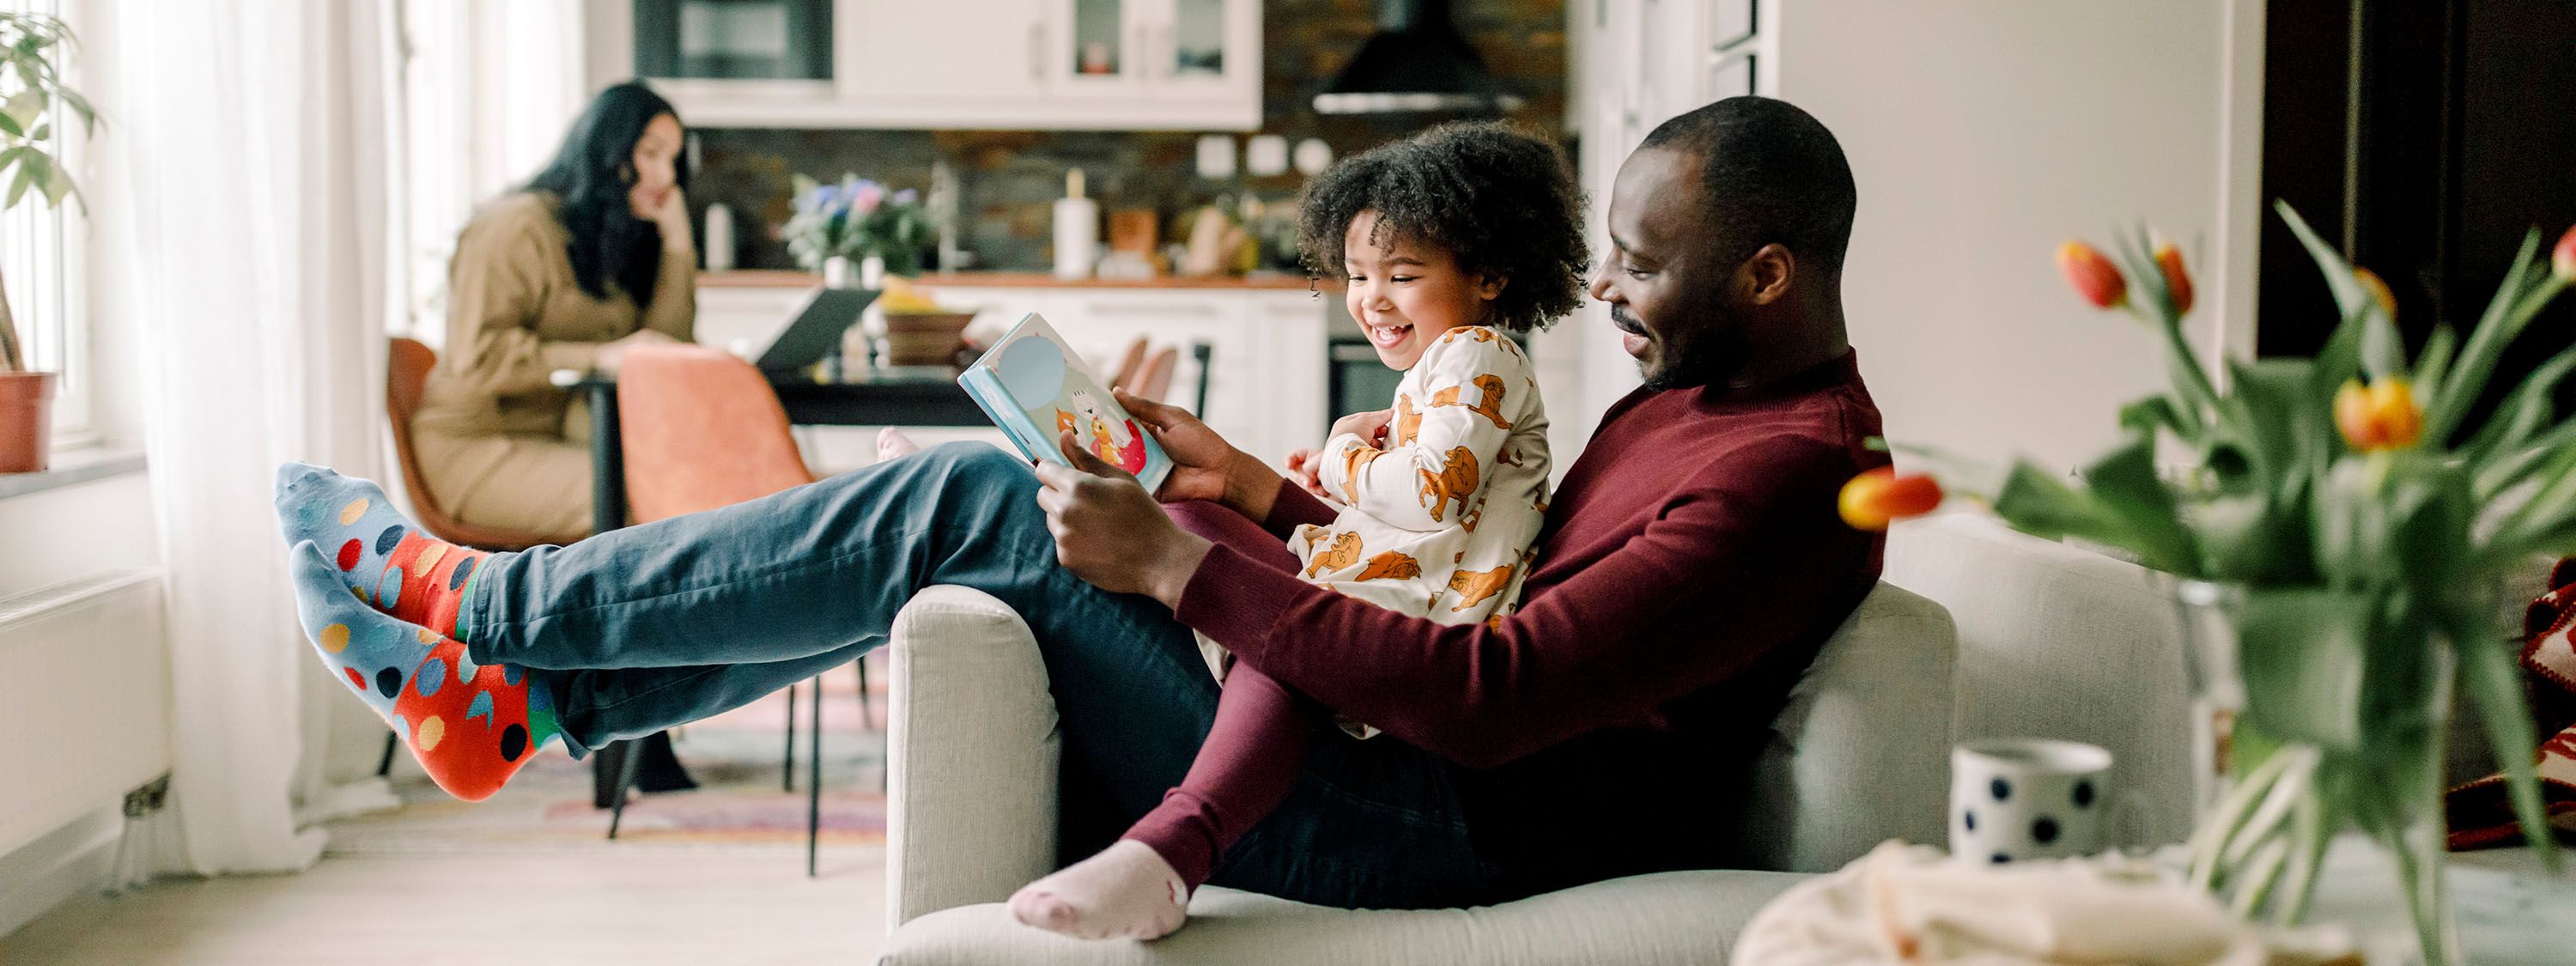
{"type": "Point", "coordinates": [1766, 276]}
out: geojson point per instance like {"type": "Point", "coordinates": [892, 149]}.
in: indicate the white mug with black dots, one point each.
{"type": "Point", "coordinates": [2015, 799]}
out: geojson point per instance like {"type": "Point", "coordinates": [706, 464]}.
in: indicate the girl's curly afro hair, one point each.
{"type": "Point", "coordinates": [1500, 200]}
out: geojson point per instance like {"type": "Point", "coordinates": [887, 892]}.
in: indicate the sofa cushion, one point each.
{"type": "Point", "coordinates": [1669, 917]}
{"type": "Point", "coordinates": [1861, 752]}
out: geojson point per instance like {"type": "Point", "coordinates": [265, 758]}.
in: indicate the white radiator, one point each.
{"type": "Point", "coordinates": [84, 699]}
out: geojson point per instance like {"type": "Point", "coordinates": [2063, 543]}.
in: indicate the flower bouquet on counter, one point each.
{"type": "Point", "coordinates": [2340, 530]}
{"type": "Point", "coordinates": [855, 219]}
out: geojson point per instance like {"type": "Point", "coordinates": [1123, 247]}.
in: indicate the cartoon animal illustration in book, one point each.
{"type": "Point", "coordinates": [1344, 552]}
{"type": "Point", "coordinates": [1474, 586]}
{"type": "Point", "coordinates": [1408, 423]}
{"type": "Point", "coordinates": [1065, 423]}
{"type": "Point", "coordinates": [1490, 406]}
{"type": "Point", "coordinates": [1121, 444]}
{"type": "Point", "coordinates": [1455, 481]}
{"type": "Point", "coordinates": [1357, 459]}
{"type": "Point", "coordinates": [1391, 565]}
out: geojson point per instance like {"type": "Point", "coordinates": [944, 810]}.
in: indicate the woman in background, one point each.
{"type": "Point", "coordinates": [593, 256]}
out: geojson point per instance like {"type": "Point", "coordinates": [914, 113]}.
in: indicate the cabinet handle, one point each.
{"type": "Point", "coordinates": [1037, 50]}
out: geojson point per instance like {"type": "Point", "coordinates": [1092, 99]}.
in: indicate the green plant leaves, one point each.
{"type": "Point", "coordinates": [2304, 653]}
{"type": "Point", "coordinates": [2493, 680]}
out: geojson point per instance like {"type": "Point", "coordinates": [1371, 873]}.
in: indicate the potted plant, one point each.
{"type": "Point", "coordinates": [856, 219]}
{"type": "Point", "coordinates": [31, 165]}
{"type": "Point", "coordinates": [2338, 529]}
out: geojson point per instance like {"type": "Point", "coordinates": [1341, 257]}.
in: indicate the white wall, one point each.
{"type": "Point", "coordinates": [1982, 133]}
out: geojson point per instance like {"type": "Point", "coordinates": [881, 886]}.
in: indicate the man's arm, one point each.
{"type": "Point", "coordinates": [1722, 579]}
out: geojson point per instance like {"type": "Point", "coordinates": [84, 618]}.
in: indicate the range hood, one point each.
{"type": "Point", "coordinates": [1417, 62]}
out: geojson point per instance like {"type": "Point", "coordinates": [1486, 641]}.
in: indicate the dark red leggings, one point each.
{"type": "Point", "coordinates": [1262, 733]}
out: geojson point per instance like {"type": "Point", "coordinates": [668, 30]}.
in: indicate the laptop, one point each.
{"type": "Point", "coordinates": [816, 329]}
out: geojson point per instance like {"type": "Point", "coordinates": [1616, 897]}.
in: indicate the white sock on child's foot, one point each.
{"type": "Point", "coordinates": [893, 444]}
{"type": "Point", "coordinates": [1126, 891]}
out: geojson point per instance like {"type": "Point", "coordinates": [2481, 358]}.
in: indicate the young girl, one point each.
{"type": "Point", "coordinates": [1451, 241]}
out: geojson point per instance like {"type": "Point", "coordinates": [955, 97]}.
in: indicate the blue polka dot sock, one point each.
{"type": "Point", "coordinates": [472, 726]}
{"type": "Point", "coordinates": [379, 555]}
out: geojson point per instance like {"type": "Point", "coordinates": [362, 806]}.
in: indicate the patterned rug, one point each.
{"type": "Point", "coordinates": [739, 804]}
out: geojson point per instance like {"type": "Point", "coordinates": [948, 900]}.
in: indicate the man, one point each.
{"type": "Point", "coordinates": [1688, 570]}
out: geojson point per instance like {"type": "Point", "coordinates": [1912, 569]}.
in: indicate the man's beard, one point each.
{"type": "Point", "coordinates": [1697, 359]}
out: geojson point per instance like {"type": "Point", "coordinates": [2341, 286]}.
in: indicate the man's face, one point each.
{"type": "Point", "coordinates": [1666, 277]}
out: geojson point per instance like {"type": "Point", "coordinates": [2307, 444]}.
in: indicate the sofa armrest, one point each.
{"type": "Point", "coordinates": [971, 750]}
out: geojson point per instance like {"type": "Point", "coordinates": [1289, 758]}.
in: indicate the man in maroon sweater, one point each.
{"type": "Point", "coordinates": [1690, 566]}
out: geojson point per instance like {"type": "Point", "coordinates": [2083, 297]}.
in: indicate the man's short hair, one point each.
{"type": "Point", "coordinates": [1770, 173]}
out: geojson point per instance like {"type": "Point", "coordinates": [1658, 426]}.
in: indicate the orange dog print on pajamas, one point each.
{"type": "Point", "coordinates": [1345, 552]}
{"type": "Point", "coordinates": [1490, 407]}
{"type": "Point", "coordinates": [1455, 481]}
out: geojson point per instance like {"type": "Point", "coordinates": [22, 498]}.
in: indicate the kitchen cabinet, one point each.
{"type": "Point", "coordinates": [1266, 368]}
{"type": "Point", "coordinates": [951, 64]}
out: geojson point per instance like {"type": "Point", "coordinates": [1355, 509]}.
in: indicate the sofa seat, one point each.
{"type": "Point", "coordinates": [1668, 917]}
{"type": "Point", "coordinates": [1858, 755]}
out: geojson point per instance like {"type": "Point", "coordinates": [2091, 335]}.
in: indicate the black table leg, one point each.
{"type": "Point", "coordinates": [613, 770]}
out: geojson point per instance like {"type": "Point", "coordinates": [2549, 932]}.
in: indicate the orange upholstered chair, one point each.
{"type": "Point", "coordinates": [701, 430]}
{"type": "Point", "coordinates": [407, 365]}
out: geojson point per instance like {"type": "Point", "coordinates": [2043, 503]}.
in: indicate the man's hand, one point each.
{"type": "Point", "coordinates": [672, 216]}
{"type": "Point", "coordinates": [1204, 465]}
{"type": "Point", "coordinates": [1370, 427]}
{"type": "Point", "coordinates": [1306, 466]}
{"type": "Point", "coordinates": [1110, 532]}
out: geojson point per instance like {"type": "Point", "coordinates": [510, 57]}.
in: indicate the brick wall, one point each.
{"type": "Point", "coordinates": [1007, 178]}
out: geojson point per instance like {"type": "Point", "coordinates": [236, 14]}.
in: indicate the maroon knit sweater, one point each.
{"type": "Point", "coordinates": [1689, 568]}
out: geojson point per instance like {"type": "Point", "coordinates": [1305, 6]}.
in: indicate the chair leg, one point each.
{"type": "Point", "coordinates": [867, 707]}
{"type": "Point", "coordinates": [787, 771]}
{"type": "Point", "coordinates": [814, 784]}
{"type": "Point", "coordinates": [385, 765]}
{"type": "Point", "coordinates": [625, 780]}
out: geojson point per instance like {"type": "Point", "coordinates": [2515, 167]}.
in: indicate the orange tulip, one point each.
{"type": "Point", "coordinates": [1875, 498]}
{"type": "Point", "coordinates": [2373, 286]}
{"type": "Point", "coordinates": [2380, 416]}
{"type": "Point", "coordinates": [2093, 276]}
{"type": "Point", "coordinates": [2562, 259]}
{"type": "Point", "coordinates": [2177, 281]}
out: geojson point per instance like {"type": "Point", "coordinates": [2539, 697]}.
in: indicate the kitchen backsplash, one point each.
{"type": "Point", "coordinates": [1006, 179]}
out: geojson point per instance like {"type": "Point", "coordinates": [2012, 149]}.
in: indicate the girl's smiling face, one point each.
{"type": "Point", "coordinates": [1406, 293]}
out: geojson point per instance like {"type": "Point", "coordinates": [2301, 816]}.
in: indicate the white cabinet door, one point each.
{"type": "Point", "coordinates": [945, 51]}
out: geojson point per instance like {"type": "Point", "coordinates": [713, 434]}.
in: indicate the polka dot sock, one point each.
{"type": "Point", "coordinates": [471, 726]}
{"type": "Point", "coordinates": [392, 565]}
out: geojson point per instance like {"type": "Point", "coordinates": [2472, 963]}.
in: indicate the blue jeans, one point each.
{"type": "Point", "coordinates": [651, 626]}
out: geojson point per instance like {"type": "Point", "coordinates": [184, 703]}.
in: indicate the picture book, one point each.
{"type": "Point", "coordinates": [1034, 388]}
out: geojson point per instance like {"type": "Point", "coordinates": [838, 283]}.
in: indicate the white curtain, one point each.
{"type": "Point", "coordinates": [255, 140]}
{"type": "Point", "coordinates": [489, 88]}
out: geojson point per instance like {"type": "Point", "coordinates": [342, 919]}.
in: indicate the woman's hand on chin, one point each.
{"type": "Point", "coordinates": [1204, 465]}
{"type": "Point", "coordinates": [1110, 532]}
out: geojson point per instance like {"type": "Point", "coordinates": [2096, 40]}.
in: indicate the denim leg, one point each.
{"type": "Point", "coordinates": [651, 626]}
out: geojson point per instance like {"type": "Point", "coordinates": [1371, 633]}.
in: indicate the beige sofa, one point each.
{"type": "Point", "coordinates": [2037, 639]}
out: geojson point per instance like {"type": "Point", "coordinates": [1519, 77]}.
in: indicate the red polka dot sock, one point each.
{"type": "Point", "coordinates": [383, 558]}
{"type": "Point", "coordinates": [471, 726]}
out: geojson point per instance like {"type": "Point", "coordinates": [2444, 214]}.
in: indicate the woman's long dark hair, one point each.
{"type": "Point", "coordinates": [593, 174]}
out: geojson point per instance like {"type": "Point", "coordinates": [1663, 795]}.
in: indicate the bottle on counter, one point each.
{"type": "Point", "coordinates": [1077, 230]}
{"type": "Point", "coordinates": [719, 241]}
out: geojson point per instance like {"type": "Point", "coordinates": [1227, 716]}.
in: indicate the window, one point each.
{"type": "Point", "coordinates": [488, 88]}
{"type": "Point", "coordinates": [41, 265]}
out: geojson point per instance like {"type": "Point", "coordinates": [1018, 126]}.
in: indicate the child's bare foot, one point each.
{"type": "Point", "coordinates": [1126, 891]}
{"type": "Point", "coordinates": [892, 443]}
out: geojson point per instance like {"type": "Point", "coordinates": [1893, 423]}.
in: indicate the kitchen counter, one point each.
{"type": "Point", "coordinates": [773, 278]}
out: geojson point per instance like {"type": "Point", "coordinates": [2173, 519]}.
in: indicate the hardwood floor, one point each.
{"type": "Point", "coordinates": [644, 906]}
